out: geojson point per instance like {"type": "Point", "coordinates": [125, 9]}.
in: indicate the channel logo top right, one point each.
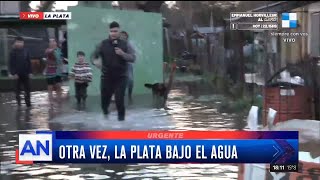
{"type": "Point", "coordinates": [289, 20]}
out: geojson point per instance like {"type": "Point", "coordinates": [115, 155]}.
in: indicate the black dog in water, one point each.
{"type": "Point", "coordinates": [159, 94]}
{"type": "Point", "coordinates": [160, 91]}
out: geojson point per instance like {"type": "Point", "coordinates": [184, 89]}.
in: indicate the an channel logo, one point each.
{"type": "Point", "coordinates": [34, 147]}
{"type": "Point", "coordinates": [289, 20]}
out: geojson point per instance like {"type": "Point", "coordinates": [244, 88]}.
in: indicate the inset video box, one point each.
{"type": "Point", "coordinates": [253, 21]}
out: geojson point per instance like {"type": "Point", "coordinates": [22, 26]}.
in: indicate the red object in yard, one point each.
{"type": "Point", "coordinates": [292, 103]}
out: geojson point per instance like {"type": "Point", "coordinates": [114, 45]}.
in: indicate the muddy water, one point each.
{"type": "Point", "coordinates": [190, 110]}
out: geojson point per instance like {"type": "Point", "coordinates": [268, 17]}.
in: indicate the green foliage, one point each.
{"type": "Point", "coordinates": [244, 104]}
{"type": "Point", "coordinates": [258, 101]}
{"type": "Point", "coordinates": [236, 106]}
{"type": "Point", "coordinates": [225, 85]}
{"type": "Point", "coordinates": [168, 59]}
{"type": "Point", "coordinates": [236, 101]}
{"type": "Point", "coordinates": [236, 90]}
{"type": "Point", "coordinates": [241, 105]}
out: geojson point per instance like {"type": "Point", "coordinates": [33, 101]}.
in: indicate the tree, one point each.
{"type": "Point", "coordinates": [146, 6]}
{"type": "Point", "coordinates": [185, 14]}
{"type": "Point", "coordinates": [46, 6]}
{"type": "Point", "coordinates": [24, 6]}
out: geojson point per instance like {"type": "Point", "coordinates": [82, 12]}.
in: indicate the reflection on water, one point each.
{"type": "Point", "coordinates": [188, 112]}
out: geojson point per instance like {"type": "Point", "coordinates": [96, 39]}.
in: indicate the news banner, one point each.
{"type": "Point", "coordinates": [278, 148]}
{"type": "Point", "coordinates": [45, 15]}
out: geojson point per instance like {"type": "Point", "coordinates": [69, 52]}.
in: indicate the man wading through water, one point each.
{"type": "Point", "coordinates": [125, 36]}
{"type": "Point", "coordinates": [115, 55]}
{"type": "Point", "coordinates": [20, 70]}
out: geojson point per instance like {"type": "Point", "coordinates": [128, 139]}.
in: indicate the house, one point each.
{"type": "Point", "coordinates": [272, 53]}
{"type": "Point", "coordinates": [35, 33]}
{"type": "Point", "coordinates": [309, 22]}
{"type": "Point", "coordinates": [301, 53]}
{"type": "Point", "coordinates": [283, 53]}
{"type": "Point", "coordinates": [208, 43]}
{"type": "Point", "coordinates": [304, 53]}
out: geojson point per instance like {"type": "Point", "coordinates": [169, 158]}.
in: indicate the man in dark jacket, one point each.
{"type": "Point", "coordinates": [115, 54]}
{"type": "Point", "coordinates": [20, 70]}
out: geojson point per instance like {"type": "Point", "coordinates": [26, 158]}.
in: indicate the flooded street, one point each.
{"type": "Point", "coordinates": [229, 65]}
{"type": "Point", "coordinates": [188, 111]}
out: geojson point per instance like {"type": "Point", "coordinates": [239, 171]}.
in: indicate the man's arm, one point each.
{"type": "Point", "coordinates": [12, 64]}
{"type": "Point", "coordinates": [130, 56]}
{"type": "Point", "coordinates": [29, 68]}
{"type": "Point", "coordinates": [97, 52]}
{"type": "Point", "coordinates": [96, 55]}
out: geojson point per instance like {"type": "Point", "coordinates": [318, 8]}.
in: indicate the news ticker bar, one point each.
{"type": "Point", "coordinates": [272, 147]}
{"type": "Point", "coordinates": [254, 21]}
{"type": "Point", "coordinates": [45, 15]}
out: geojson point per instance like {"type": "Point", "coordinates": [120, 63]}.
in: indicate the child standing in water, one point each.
{"type": "Point", "coordinates": [81, 73]}
{"type": "Point", "coordinates": [53, 69]}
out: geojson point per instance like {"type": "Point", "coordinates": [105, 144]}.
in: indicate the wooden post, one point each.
{"type": "Point", "coordinates": [238, 46]}
{"type": "Point", "coordinates": [208, 52]}
{"type": "Point", "coordinates": [241, 57]}
{"type": "Point", "coordinates": [167, 41]}
{"type": "Point", "coordinates": [4, 34]}
{"type": "Point", "coordinates": [316, 87]}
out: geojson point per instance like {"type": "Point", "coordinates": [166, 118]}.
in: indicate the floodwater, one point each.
{"type": "Point", "coordinates": [190, 110]}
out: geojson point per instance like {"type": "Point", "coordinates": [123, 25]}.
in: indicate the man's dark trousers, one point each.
{"type": "Point", "coordinates": [113, 84]}
{"type": "Point", "coordinates": [24, 81]}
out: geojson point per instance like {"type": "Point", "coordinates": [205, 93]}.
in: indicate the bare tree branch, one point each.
{"type": "Point", "coordinates": [47, 5]}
